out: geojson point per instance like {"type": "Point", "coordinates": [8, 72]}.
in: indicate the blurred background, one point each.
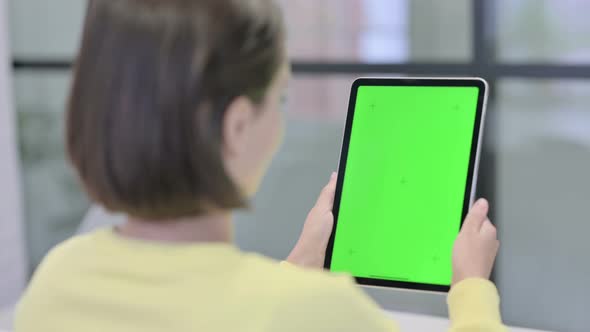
{"type": "Point", "coordinates": [534, 53]}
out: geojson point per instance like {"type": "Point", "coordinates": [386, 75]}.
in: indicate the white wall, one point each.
{"type": "Point", "coordinates": [12, 258]}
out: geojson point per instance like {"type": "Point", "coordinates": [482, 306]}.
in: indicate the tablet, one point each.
{"type": "Point", "coordinates": [406, 179]}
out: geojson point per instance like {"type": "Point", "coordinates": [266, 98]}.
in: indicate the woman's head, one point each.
{"type": "Point", "coordinates": [174, 105]}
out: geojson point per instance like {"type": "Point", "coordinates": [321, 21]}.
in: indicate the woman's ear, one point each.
{"type": "Point", "coordinates": [236, 125]}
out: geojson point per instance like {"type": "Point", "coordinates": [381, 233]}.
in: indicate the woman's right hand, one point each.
{"type": "Point", "coordinates": [476, 246]}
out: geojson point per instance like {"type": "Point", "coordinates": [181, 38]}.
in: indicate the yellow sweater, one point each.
{"type": "Point", "coordinates": [104, 282]}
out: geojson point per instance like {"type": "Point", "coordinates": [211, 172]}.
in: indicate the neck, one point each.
{"type": "Point", "coordinates": [208, 228]}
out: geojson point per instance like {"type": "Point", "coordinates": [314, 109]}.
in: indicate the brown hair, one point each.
{"type": "Point", "coordinates": [151, 84]}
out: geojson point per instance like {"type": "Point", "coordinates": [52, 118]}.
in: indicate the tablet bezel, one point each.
{"type": "Point", "coordinates": [471, 184]}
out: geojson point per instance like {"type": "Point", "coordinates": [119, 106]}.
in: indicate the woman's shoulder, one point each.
{"type": "Point", "coordinates": [316, 299]}
{"type": "Point", "coordinates": [68, 250]}
{"type": "Point", "coordinates": [287, 277]}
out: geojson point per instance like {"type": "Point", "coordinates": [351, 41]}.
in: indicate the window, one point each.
{"type": "Point", "coordinates": [379, 31]}
{"type": "Point", "coordinates": [54, 202]}
{"type": "Point", "coordinates": [553, 31]}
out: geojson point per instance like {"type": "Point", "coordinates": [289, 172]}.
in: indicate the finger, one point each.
{"type": "Point", "coordinates": [326, 198]}
{"type": "Point", "coordinates": [488, 230]}
{"type": "Point", "coordinates": [326, 227]}
{"type": "Point", "coordinates": [477, 215]}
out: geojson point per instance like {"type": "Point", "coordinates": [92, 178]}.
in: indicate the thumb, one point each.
{"type": "Point", "coordinates": [477, 215]}
{"type": "Point", "coordinates": [326, 198]}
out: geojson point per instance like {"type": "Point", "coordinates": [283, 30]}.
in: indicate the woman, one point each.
{"type": "Point", "coordinates": [173, 119]}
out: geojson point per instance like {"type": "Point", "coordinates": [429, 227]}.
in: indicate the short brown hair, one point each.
{"type": "Point", "coordinates": [151, 84]}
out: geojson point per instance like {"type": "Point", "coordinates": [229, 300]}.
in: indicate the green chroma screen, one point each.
{"type": "Point", "coordinates": [404, 183]}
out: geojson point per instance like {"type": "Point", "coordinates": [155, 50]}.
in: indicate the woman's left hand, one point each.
{"type": "Point", "coordinates": [310, 249]}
